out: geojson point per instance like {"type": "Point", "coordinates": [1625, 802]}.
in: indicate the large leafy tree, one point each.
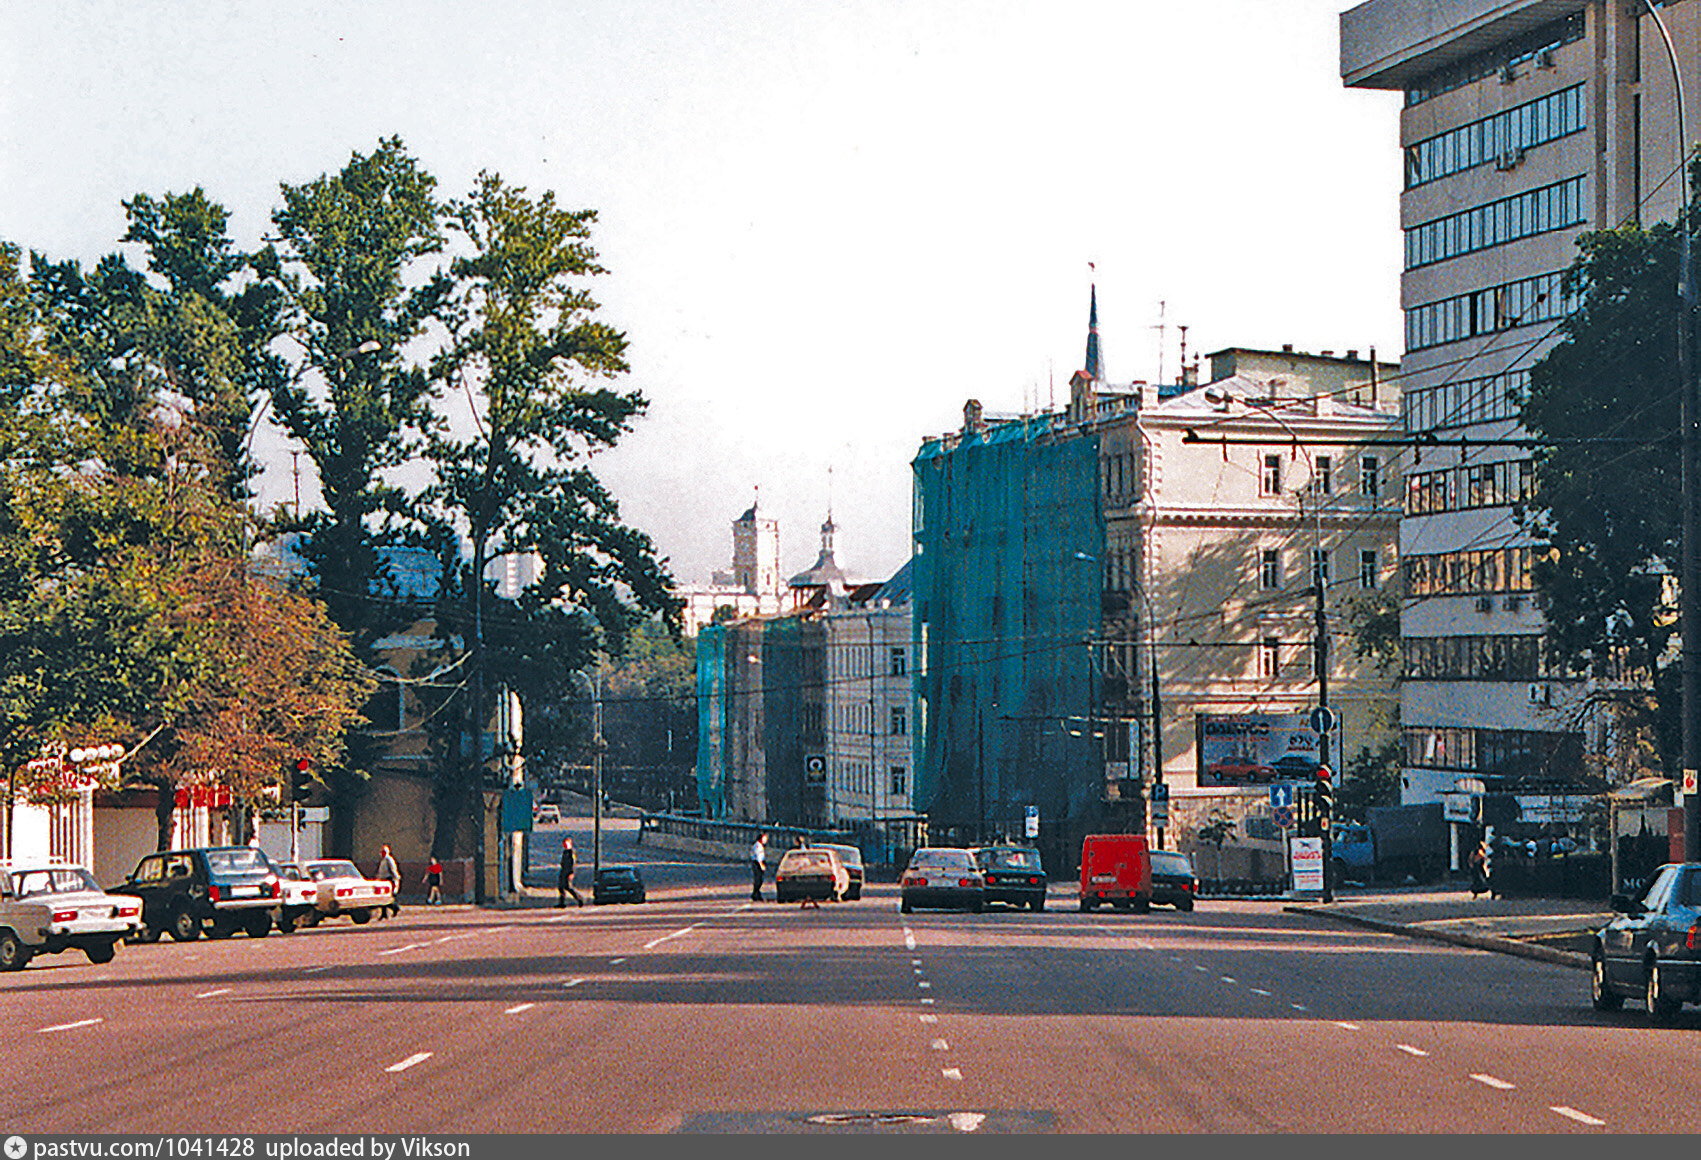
{"type": "Point", "coordinates": [1606, 505]}
{"type": "Point", "coordinates": [534, 363]}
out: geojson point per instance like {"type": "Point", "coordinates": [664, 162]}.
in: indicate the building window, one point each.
{"type": "Point", "coordinates": [1369, 568]}
{"type": "Point", "coordinates": [1270, 568]}
{"type": "Point", "coordinates": [1269, 658]}
{"type": "Point", "coordinates": [900, 721]}
{"type": "Point", "coordinates": [1370, 476]}
{"type": "Point", "coordinates": [1270, 482]}
{"type": "Point", "coordinates": [1320, 566]}
{"type": "Point", "coordinates": [900, 781]}
{"type": "Point", "coordinates": [900, 662]}
{"type": "Point", "coordinates": [1323, 475]}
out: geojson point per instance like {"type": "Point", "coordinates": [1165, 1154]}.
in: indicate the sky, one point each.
{"type": "Point", "coordinates": [826, 224]}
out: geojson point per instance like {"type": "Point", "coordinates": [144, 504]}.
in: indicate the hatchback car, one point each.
{"type": "Point", "coordinates": [852, 858]}
{"type": "Point", "coordinates": [810, 874]}
{"type": "Point", "coordinates": [221, 889]}
{"type": "Point", "coordinates": [618, 884]}
{"type": "Point", "coordinates": [1014, 875]}
{"type": "Point", "coordinates": [942, 877]}
{"type": "Point", "coordinates": [48, 909]}
{"type": "Point", "coordinates": [1173, 880]}
{"type": "Point", "coordinates": [1652, 950]}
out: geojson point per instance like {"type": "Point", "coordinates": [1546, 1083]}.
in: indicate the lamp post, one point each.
{"type": "Point", "coordinates": [1689, 579]}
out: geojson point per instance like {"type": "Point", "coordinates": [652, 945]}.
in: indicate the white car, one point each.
{"type": "Point", "coordinates": [343, 889]}
{"type": "Point", "coordinates": [48, 909]}
{"type": "Point", "coordinates": [300, 902]}
{"type": "Point", "coordinates": [547, 815]}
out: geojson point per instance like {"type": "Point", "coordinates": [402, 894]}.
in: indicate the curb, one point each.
{"type": "Point", "coordinates": [1481, 942]}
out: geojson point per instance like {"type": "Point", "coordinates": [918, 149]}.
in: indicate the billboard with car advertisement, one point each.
{"type": "Point", "coordinates": [1241, 749]}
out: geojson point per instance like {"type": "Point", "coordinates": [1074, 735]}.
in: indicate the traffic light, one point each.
{"type": "Point", "coordinates": [301, 781]}
{"type": "Point", "coordinates": [1325, 794]}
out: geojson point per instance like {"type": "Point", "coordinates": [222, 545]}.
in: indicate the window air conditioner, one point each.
{"type": "Point", "coordinates": [1485, 604]}
{"type": "Point", "coordinates": [1508, 74]}
{"type": "Point", "coordinates": [1509, 158]}
{"type": "Point", "coordinates": [1544, 58]}
{"type": "Point", "coordinates": [1514, 603]}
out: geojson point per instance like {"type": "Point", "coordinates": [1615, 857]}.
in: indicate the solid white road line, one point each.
{"type": "Point", "coordinates": [518, 1009]}
{"type": "Point", "coordinates": [1492, 1082]}
{"type": "Point", "coordinates": [69, 1026]}
{"type": "Point", "coordinates": [419, 1057]}
{"type": "Point", "coordinates": [1580, 1117]}
{"type": "Point", "coordinates": [213, 994]}
{"type": "Point", "coordinates": [1410, 1050]}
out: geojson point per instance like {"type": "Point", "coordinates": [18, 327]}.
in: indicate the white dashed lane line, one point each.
{"type": "Point", "coordinates": [315, 970]}
{"type": "Point", "coordinates": [1228, 978]}
{"type": "Point", "coordinates": [1347, 1026]}
{"type": "Point", "coordinates": [1260, 991]}
{"type": "Point", "coordinates": [940, 1045]}
{"type": "Point", "coordinates": [952, 1073]}
{"type": "Point", "coordinates": [1299, 1006]}
{"type": "Point", "coordinates": [399, 950]}
{"type": "Point", "coordinates": [656, 942]}
{"type": "Point", "coordinates": [1580, 1117]}
{"type": "Point", "coordinates": [615, 962]}
{"type": "Point", "coordinates": [213, 994]}
{"type": "Point", "coordinates": [69, 1026]}
{"type": "Point", "coordinates": [930, 1018]}
{"type": "Point", "coordinates": [1491, 1081]}
{"type": "Point", "coordinates": [572, 982]}
{"type": "Point", "coordinates": [410, 1061]}
{"type": "Point", "coordinates": [517, 1009]}
{"type": "Point", "coordinates": [1410, 1050]}
{"type": "Point", "coordinates": [928, 1002]}
{"type": "Point", "coordinates": [924, 984]}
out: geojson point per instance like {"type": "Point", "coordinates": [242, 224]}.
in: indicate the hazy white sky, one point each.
{"type": "Point", "coordinates": [827, 223]}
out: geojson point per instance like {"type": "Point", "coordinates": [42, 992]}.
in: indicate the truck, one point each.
{"type": "Point", "coordinates": [1399, 842]}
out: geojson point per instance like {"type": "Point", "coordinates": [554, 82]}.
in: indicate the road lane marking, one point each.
{"type": "Point", "coordinates": [1228, 978]}
{"type": "Point", "coordinates": [1580, 1117]}
{"type": "Point", "coordinates": [399, 950]}
{"type": "Point", "coordinates": [1410, 1050]}
{"type": "Point", "coordinates": [1492, 1082]}
{"type": "Point", "coordinates": [520, 1008]}
{"type": "Point", "coordinates": [927, 1002]}
{"type": "Point", "coordinates": [966, 1121]}
{"type": "Point", "coordinates": [418, 1057]}
{"type": "Point", "coordinates": [1347, 1026]}
{"type": "Point", "coordinates": [615, 962]}
{"type": "Point", "coordinates": [572, 982]}
{"type": "Point", "coordinates": [915, 962]}
{"type": "Point", "coordinates": [213, 994]}
{"type": "Point", "coordinates": [69, 1026]}
{"type": "Point", "coordinates": [1299, 1006]}
{"type": "Point", "coordinates": [315, 970]}
{"type": "Point", "coordinates": [909, 940]}
{"type": "Point", "coordinates": [940, 1045]}
{"type": "Point", "coordinates": [924, 984]}
{"type": "Point", "coordinates": [930, 1018]}
{"type": "Point", "coordinates": [474, 934]}
{"type": "Point", "coordinates": [951, 1073]}
{"type": "Point", "coordinates": [656, 942]}
{"type": "Point", "coordinates": [1260, 991]}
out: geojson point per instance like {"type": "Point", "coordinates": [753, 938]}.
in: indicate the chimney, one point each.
{"type": "Point", "coordinates": [1287, 348]}
{"type": "Point", "coordinates": [974, 422]}
{"type": "Point", "coordinates": [1353, 354]}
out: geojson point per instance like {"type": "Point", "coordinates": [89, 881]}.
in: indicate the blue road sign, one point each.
{"type": "Point", "coordinates": [1283, 817]}
{"type": "Point", "coordinates": [1281, 796]}
{"type": "Point", "coordinates": [1324, 720]}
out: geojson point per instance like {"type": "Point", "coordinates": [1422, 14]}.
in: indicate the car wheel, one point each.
{"type": "Point", "coordinates": [1142, 905]}
{"type": "Point", "coordinates": [361, 917]}
{"type": "Point", "coordinates": [904, 906]}
{"type": "Point", "coordinates": [259, 925]}
{"type": "Point", "coordinates": [1662, 1010]}
{"type": "Point", "coordinates": [977, 906]}
{"type": "Point", "coordinates": [13, 953]}
{"type": "Point", "coordinates": [286, 924]}
{"type": "Point", "coordinates": [1184, 904]}
{"type": "Point", "coordinates": [311, 918]}
{"type": "Point", "coordinates": [855, 893]}
{"type": "Point", "coordinates": [1601, 996]}
{"type": "Point", "coordinates": [1038, 904]}
{"type": "Point", "coordinates": [101, 952]}
{"type": "Point", "coordinates": [185, 927]}
{"type": "Point", "coordinates": [148, 933]}
{"type": "Point", "coordinates": [220, 929]}
{"type": "Point", "coordinates": [1089, 904]}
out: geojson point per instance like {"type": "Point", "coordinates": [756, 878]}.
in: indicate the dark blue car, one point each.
{"type": "Point", "coordinates": [1652, 950]}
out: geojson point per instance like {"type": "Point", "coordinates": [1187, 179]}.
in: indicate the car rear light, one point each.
{"type": "Point", "coordinates": [1190, 887]}
{"type": "Point", "coordinates": [967, 882]}
{"type": "Point", "coordinates": [127, 911]}
{"type": "Point", "coordinates": [1694, 929]}
{"type": "Point", "coordinates": [344, 891]}
{"type": "Point", "coordinates": [64, 916]}
{"type": "Point", "coordinates": [213, 893]}
{"type": "Point", "coordinates": [274, 888]}
{"type": "Point", "coordinates": [1033, 882]}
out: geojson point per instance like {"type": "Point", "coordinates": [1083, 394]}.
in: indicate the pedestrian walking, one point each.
{"type": "Point", "coordinates": [1479, 869]}
{"type": "Point", "coordinates": [564, 879]}
{"type": "Point", "coordinates": [758, 866]}
{"type": "Point", "coordinates": [387, 872]}
{"type": "Point", "coordinates": [434, 880]}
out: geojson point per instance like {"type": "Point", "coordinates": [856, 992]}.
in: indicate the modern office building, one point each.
{"type": "Point", "coordinates": [1525, 123]}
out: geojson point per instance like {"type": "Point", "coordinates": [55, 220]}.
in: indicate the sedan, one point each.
{"type": "Point", "coordinates": [811, 874]}
{"type": "Point", "coordinates": [618, 884]}
{"type": "Point", "coordinates": [1014, 875]}
{"type": "Point", "coordinates": [943, 877]}
{"type": "Point", "coordinates": [1173, 880]}
{"type": "Point", "coordinates": [48, 909]}
{"type": "Point", "coordinates": [343, 889]}
{"type": "Point", "coordinates": [300, 903]}
{"type": "Point", "coordinates": [1652, 950]}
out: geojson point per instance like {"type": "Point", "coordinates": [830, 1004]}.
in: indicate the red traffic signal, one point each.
{"type": "Point", "coordinates": [303, 765]}
{"type": "Point", "coordinates": [1324, 773]}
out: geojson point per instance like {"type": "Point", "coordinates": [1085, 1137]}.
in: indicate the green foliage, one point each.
{"type": "Point", "coordinates": [1216, 829]}
{"type": "Point", "coordinates": [1373, 779]}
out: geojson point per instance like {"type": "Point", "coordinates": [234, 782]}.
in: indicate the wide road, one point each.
{"type": "Point", "coordinates": [706, 1012]}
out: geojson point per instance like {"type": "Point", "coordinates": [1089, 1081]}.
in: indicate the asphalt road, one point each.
{"type": "Point", "coordinates": [706, 1012]}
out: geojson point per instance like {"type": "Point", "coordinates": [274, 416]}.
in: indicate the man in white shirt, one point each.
{"type": "Point", "coordinates": [758, 866]}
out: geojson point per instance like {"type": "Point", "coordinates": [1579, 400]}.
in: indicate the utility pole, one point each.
{"type": "Point", "coordinates": [596, 775]}
{"type": "Point", "coordinates": [1157, 739]}
{"type": "Point", "coordinates": [1320, 652]}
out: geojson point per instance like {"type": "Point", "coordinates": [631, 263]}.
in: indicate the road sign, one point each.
{"type": "Point", "coordinates": [1324, 719]}
{"type": "Point", "coordinates": [1689, 782]}
{"type": "Point", "coordinates": [1283, 817]}
{"type": "Point", "coordinates": [1030, 822]}
{"type": "Point", "coordinates": [1281, 796]}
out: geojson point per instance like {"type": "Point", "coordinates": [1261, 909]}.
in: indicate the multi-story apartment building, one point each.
{"type": "Point", "coordinates": [869, 702]}
{"type": "Point", "coordinates": [1525, 123]}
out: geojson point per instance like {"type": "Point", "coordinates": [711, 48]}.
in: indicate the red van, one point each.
{"type": "Point", "coordinates": [1116, 868]}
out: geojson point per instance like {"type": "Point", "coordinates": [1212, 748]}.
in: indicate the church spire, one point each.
{"type": "Point", "coordinates": [1094, 368]}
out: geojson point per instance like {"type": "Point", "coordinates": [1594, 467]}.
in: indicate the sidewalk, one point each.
{"type": "Point", "coordinates": [1553, 930]}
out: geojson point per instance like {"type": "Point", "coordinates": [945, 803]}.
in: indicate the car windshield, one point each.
{"type": "Point", "coordinates": [932, 859]}
{"type": "Point", "coordinates": [237, 860]}
{"type": "Point", "coordinates": [1171, 863]}
{"type": "Point", "coordinates": [332, 869]}
{"type": "Point", "coordinates": [1010, 859]}
{"type": "Point", "coordinates": [810, 860]}
{"type": "Point", "coordinates": [620, 872]}
{"type": "Point", "coordinates": [849, 855]}
{"type": "Point", "coordinates": [58, 880]}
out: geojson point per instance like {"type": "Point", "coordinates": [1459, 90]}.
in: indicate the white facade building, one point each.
{"type": "Point", "coordinates": [869, 701]}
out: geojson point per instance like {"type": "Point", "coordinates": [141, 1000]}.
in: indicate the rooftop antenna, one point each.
{"type": "Point", "coordinates": [1160, 328]}
{"type": "Point", "coordinates": [1182, 373]}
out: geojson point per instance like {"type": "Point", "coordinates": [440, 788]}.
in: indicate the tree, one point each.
{"type": "Point", "coordinates": [1607, 396]}
{"type": "Point", "coordinates": [526, 350]}
{"type": "Point", "coordinates": [1373, 779]}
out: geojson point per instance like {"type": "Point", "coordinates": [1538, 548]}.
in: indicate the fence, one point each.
{"type": "Point", "coordinates": [885, 845]}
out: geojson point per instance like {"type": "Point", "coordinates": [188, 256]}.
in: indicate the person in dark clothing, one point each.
{"type": "Point", "coordinates": [1479, 869]}
{"type": "Point", "coordinates": [564, 879]}
{"type": "Point", "coordinates": [758, 866]}
{"type": "Point", "coordinates": [388, 872]}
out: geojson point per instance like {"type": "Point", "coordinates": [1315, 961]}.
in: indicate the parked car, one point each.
{"type": "Point", "coordinates": [942, 877]}
{"type": "Point", "coordinates": [1014, 875]}
{"type": "Point", "coordinates": [48, 909]}
{"type": "Point", "coordinates": [343, 889]}
{"type": "Point", "coordinates": [852, 859]}
{"type": "Point", "coordinates": [1173, 881]}
{"type": "Point", "coordinates": [1295, 767]}
{"type": "Point", "coordinates": [1116, 868]}
{"type": "Point", "coordinates": [221, 889]}
{"type": "Point", "coordinates": [810, 873]}
{"type": "Point", "coordinates": [618, 884]}
{"type": "Point", "coordinates": [299, 902]}
{"type": "Point", "coordinates": [1652, 950]}
{"type": "Point", "coordinates": [547, 815]}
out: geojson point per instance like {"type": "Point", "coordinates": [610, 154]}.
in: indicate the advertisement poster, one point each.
{"type": "Point", "coordinates": [1307, 863]}
{"type": "Point", "coordinates": [1255, 749]}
